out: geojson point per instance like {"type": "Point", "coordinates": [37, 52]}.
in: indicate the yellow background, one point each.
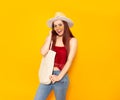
{"type": "Point", "coordinates": [95, 72]}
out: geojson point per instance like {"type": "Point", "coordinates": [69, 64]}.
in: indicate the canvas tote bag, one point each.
{"type": "Point", "coordinates": [46, 66]}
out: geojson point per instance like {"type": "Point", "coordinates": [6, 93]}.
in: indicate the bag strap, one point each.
{"type": "Point", "coordinates": [51, 45]}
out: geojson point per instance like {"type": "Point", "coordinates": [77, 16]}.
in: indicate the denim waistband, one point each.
{"type": "Point", "coordinates": [56, 72]}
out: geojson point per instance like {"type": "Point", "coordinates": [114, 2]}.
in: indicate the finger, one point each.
{"type": "Point", "coordinates": [50, 76]}
{"type": "Point", "coordinates": [53, 81]}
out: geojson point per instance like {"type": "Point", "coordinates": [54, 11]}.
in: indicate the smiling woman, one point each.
{"type": "Point", "coordinates": [65, 45]}
{"type": "Point", "coordinates": [59, 27]}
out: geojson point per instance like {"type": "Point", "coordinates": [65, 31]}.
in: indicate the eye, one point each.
{"type": "Point", "coordinates": [55, 25]}
{"type": "Point", "coordinates": [60, 24]}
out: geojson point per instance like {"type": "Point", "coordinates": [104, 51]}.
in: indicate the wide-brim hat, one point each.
{"type": "Point", "coordinates": [59, 16]}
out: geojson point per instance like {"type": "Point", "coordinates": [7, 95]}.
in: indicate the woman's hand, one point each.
{"type": "Point", "coordinates": [45, 47]}
{"type": "Point", "coordinates": [54, 78]}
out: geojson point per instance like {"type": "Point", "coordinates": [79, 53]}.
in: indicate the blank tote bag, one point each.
{"type": "Point", "coordinates": [46, 67]}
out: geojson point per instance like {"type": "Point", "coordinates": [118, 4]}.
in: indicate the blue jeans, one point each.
{"type": "Point", "coordinates": [59, 88]}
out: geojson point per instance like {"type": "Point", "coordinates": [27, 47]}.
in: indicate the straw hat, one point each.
{"type": "Point", "coordinates": [59, 16]}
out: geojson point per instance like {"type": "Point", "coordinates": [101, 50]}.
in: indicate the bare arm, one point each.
{"type": "Point", "coordinates": [73, 48]}
{"type": "Point", "coordinates": [46, 45]}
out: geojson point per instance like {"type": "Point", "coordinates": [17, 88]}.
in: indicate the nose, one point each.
{"type": "Point", "coordinates": [57, 27]}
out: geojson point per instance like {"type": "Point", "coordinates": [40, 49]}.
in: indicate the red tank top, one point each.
{"type": "Point", "coordinates": [61, 56]}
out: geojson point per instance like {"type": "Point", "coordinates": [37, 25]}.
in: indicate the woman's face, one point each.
{"type": "Point", "coordinates": [59, 27]}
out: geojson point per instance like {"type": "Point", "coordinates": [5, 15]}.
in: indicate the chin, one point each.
{"type": "Point", "coordinates": [60, 34]}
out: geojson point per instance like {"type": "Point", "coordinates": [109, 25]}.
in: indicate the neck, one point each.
{"type": "Point", "coordinates": [59, 36]}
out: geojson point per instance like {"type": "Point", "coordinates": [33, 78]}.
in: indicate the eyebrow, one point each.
{"type": "Point", "coordinates": [58, 24]}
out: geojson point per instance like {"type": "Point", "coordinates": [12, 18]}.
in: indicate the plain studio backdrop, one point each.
{"type": "Point", "coordinates": [95, 72]}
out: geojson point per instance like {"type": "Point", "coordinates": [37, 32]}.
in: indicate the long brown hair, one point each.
{"type": "Point", "coordinates": [67, 35]}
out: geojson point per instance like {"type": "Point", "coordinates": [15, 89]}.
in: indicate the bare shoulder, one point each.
{"type": "Point", "coordinates": [73, 41]}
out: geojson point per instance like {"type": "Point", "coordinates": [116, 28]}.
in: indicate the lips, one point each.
{"type": "Point", "coordinates": [59, 31]}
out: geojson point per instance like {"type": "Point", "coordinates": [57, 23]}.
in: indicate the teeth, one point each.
{"type": "Point", "coordinates": [59, 30]}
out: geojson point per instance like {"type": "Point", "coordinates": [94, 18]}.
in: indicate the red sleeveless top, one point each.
{"type": "Point", "coordinates": [61, 56]}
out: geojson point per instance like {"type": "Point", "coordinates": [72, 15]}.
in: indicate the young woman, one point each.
{"type": "Point", "coordinates": [65, 45]}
